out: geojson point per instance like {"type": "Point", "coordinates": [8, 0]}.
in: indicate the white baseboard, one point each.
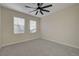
{"type": "Point", "coordinates": [36, 38]}
{"type": "Point", "coordinates": [4, 45]}
{"type": "Point", "coordinates": [73, 46]}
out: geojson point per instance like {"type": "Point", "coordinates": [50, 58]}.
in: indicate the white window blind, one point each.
{"type": "Point", "coordinates": [33, 26]}
{"type": "Point", "coordinates": [18, 25]}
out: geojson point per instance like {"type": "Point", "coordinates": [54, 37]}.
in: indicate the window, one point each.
{"type": "Point", "coordinates": [32, 26]}
{"type": "Point", "coordinates": [18, 25]}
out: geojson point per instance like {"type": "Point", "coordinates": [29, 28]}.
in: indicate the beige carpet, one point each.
{"type": "Point", "coordinates": [38, 47]}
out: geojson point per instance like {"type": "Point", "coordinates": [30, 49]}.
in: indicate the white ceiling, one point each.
{"type": "Point", "coordinates": [21, 7]}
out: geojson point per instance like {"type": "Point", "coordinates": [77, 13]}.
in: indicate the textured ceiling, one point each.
{"type": "Point", "coordinates": [21, 7]}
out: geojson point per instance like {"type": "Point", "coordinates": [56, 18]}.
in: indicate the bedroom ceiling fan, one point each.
{"type": "Point", "coordinates": [40, 8]}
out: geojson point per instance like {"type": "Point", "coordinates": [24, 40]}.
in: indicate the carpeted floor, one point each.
{"type": "Point", "coordinates": [38, 47]}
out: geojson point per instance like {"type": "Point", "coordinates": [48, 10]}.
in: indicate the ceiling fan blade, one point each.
{"type": "Point", "coordinates": [33, 10]}
{"type": "Point", "coordinates": [45, 10]}
{"type": "Point", "coordinates": [36, 13]}
{"type": "Point", "coordinates": [29, 7]}
{"type": "Point", "coordinates": [41, 12]}
{"type": "Point", "coordinates": [47, 6]}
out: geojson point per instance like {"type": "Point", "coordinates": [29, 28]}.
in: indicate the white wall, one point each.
{"type": "Point", "coordinates": [62, 27]}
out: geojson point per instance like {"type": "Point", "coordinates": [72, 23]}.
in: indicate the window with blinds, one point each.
{"type": "Point", "coordinates": [19, 25]}
{"type": "Point", "coordinates": [33, 26]}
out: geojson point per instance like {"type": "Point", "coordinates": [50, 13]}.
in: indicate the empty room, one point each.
{"type": "Point", "coordinates": [39, 29]}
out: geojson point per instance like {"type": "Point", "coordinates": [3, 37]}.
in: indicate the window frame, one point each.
{"type": "Point", "coordinates": [35, 26]}
{"type": "Point", "coordinates": [19, 24]}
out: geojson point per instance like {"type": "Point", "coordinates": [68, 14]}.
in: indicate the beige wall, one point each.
{"type": "Point", "coordinates": [7, 27]}
{"type": "Point", "coordinates": [62, 27]}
